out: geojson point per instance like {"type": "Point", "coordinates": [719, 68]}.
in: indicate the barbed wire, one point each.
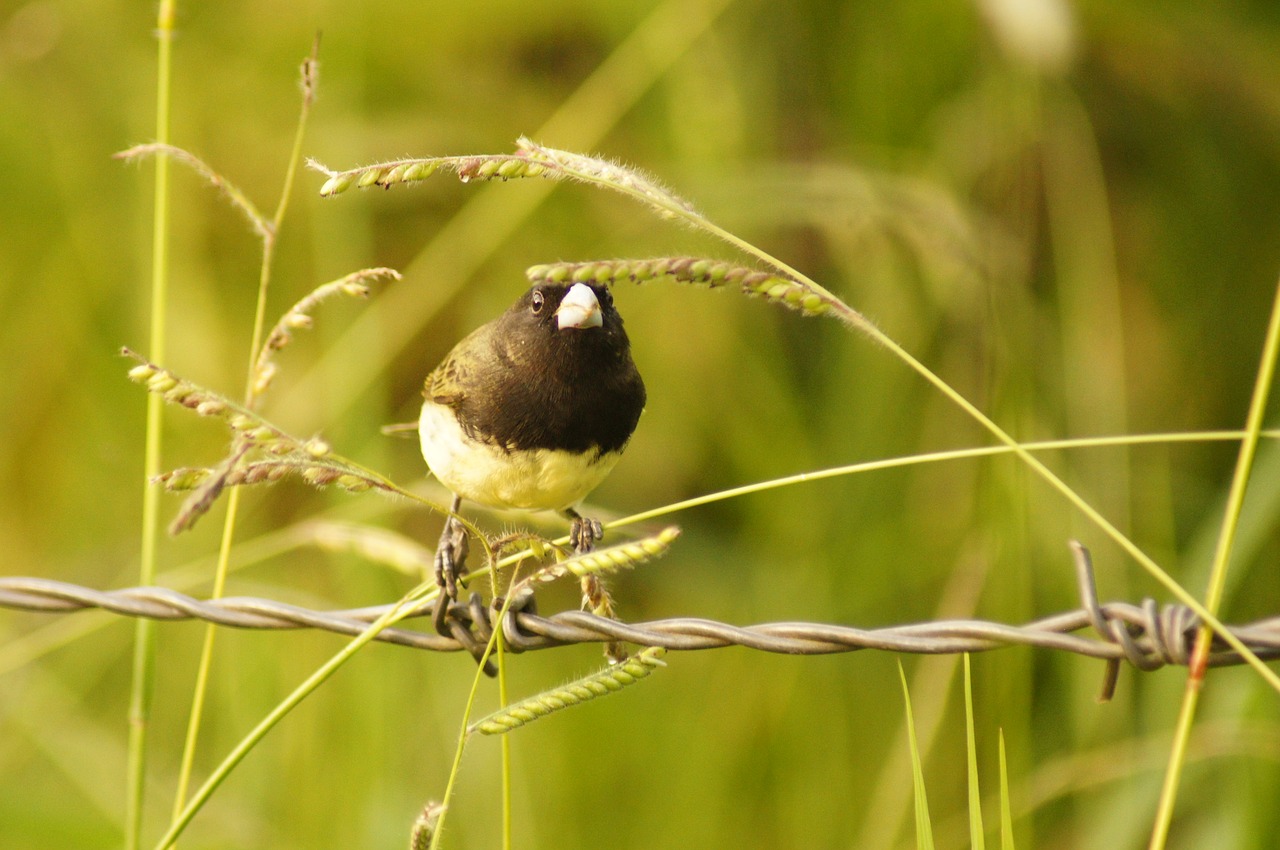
{"type": "Point", "coordinates": [1146, 635]}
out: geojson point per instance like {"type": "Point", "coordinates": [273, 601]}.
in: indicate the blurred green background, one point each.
{"type": "Point", "coordinates": [1070, 212]}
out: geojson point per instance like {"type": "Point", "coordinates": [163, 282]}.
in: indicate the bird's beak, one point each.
{"type": "Point", "coordinates": [579, 309]}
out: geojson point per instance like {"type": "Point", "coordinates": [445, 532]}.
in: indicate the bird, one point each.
{"type": "Point", "coordinates": [531, 411]}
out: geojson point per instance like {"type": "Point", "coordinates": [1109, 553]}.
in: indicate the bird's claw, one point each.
{"type": "Point", "coordinates": [584, 533]}
{"type": "Point", "coordinates": [451, 558]}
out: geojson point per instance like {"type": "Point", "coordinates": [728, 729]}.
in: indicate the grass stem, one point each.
{"type": "Point", "coordinates": [200, 688]}
{"type": "Point", "coordinates": [144, 632]}
{"type": "Point", "coordinates": [1218, 576]}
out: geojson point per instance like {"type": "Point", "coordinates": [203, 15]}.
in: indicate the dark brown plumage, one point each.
{"type": "Point", "coordinates": [519, 382]}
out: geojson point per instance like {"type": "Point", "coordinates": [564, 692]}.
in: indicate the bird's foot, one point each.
{"type": "Point", "coordinates": [451, 557]}
{"type": "Point", "coordinates": [584, 532]}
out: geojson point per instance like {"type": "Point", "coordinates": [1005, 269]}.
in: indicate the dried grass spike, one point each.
{"type": "Point", "coordinates": [238, 199]}
{"type": "Point", "coordinates": [177, 390]}
{"type": "Point", "coordinates": [298, 317]}
{"type": "Point", "coordinates": [597, 599]}
{"type": "Point", "coordinates": [258, 472]}
{"type": "Point", "coordinates": [610, 559]}
{"type": "Point", "coordinates": [335, 185]}
{"type": "Point", "coordinates": [695, 270]}
{"type": "Point", "coordinates": [370, 177]}
{"type": "Point", "coordinates": [468, 168]}
{"type": "Point", "coordinates": [611, 175]}
{"type": "Point", "coordinates": [202, 499]}
{"type": "Point", "coordinates": [182, 478]}
{"type": "Point", "coordinates": [335, 471]}
{"type": "Point", "coordinates": [424, 826]}
{"type": "Point", "coordinates": [606, 681]}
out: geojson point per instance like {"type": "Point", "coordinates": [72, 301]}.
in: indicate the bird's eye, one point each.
{"type": "Point", "coordinates": [537, 300]}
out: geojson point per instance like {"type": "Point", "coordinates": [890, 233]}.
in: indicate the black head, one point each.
{"type": "Point", "coordinates": [543, 302]}
{"type": "Point", "coordinates": [567, 327]}
{"type": "Point", "coordinates": [567, 379]}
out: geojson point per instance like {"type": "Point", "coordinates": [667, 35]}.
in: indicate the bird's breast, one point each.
{"type": "Point", "coordinates": [491, 474]}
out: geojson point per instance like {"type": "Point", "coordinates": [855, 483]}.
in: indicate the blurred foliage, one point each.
{"type": "Point", "coordinates": [1071, 212]}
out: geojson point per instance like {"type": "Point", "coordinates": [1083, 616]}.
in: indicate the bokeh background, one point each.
{"type": "Point", "coordinates": [1068, 210]}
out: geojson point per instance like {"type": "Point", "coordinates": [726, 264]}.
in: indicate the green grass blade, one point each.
{"type": "Point", "coordinates": [924, 831]}
{"type": "Point", "coordinates": [977, 837]}
{"type": "Point", "coordinates": [1006, 814]}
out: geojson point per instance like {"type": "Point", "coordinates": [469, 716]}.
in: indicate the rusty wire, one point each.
{"type": "Point", "coordinates": [1146, 635]}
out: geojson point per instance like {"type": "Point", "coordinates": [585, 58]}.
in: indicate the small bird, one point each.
{"type": "Point", "coordinates": [531, 411]}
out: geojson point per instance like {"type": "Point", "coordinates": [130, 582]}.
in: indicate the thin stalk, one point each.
{"type": "Point", "coordinates": [201, 687]}
{"type": "Point", "coordinates": [144, 632]}
{"type": "Point", "coordinates": [269, 235]}
{"type": "Point", "coordinates": [930, 457]}
{"type": "Point", "coordinates": [504, 700]}
{"type": "Point", "coordinates": [500, 649]}
{"type": "Point", "coordinates": [456, 767]}
{"type": "Point", "coordinates": [1218, 574]}
{"type": "Point", "coordinates": [494, 641]}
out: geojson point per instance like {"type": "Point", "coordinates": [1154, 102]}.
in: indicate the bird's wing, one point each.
{"type": "Point", "coordinates": [444, 384]}
{"type": "Point", "coordinates": [447, 382]}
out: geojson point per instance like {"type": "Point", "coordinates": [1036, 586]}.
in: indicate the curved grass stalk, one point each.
{"type": "Point", "coordinates": [233, 193]}
{"type": "Point", "coordinates": [298, 317]}
{"type": "Point", "coordinates": [604, 175]}
{"type": "Point", "coordinates": [899, 462]}
{"type": "Point", "coordinates": [932, 457]}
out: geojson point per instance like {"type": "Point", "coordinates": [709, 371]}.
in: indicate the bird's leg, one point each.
{"type": "Point", "coordinates": [451, 553]}
{"type": "Point", "coordinates": [451, 558]}
{"type": "Point", "coordinates": [584, 532]}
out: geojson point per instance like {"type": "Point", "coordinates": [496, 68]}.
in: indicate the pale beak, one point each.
{"type": "Point", "coordinates": [579, 309]}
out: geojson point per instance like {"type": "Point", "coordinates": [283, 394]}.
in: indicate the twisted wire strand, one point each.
{"type": "Point", "coordinates": [1146, 635]}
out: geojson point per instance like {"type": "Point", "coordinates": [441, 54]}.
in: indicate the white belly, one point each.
{"type": "Point", "coordinates": [540, 479]}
